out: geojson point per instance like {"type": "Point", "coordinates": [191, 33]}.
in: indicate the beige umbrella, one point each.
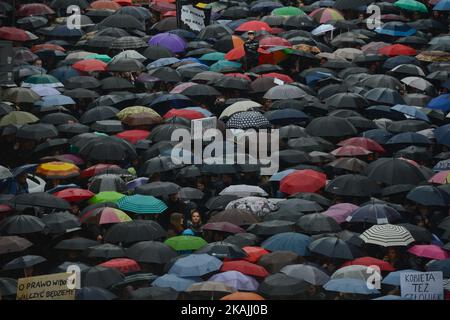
{"type": "Point", "coordinates": [347, 53]}
{"type": "Point", "coordinates": [238, 107]}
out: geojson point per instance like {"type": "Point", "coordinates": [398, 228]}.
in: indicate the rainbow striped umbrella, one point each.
{"type": "Point", "coordinates": [141, 204]}
{"type": "Point", "coordinates": [105, 215]}
{"type": "Point", "coordinates": [323, 15]}
{"type": "Point", "coordinates": [58, 170]}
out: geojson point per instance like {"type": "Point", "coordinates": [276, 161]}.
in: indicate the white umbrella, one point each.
{"type": "Point", "coordinates": [238, 107]}
{"type": "Point", "coordinates": [324, 28]}
{"type": "Point", "coordinates": [352, 272]}
{"type": "Point", "coordinates": [243, 190]}
{"type": "Point", "coordinates": [130, 54]}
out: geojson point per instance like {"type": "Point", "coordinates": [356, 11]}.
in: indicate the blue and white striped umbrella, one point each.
{"type": "Point", "coordinates": [142, 204]}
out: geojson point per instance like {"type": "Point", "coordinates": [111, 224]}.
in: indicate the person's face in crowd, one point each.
{"type": "Point", "coordinates": [75, 209]}
{"type": "Point", "coordinates": [251, 36]}
{"type": "Point", "coordinates": [392, 254]}
{"type": "Point", "coordinates": [200, 186]}
{"type": "Point", "coordinates": [22, 178]}
{"type": "Point", "coordinates": [38, 63]}
{"type": "Point", "coordinates": [195, 217]}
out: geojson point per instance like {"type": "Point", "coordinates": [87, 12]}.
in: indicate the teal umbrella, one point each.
{"type": "Point", "coordinates": [42, 79]}
{"type": "Point", "coordinates": [213, 56]}
{"type": "Point", "coordinates": [141, 204]}
{"type": "Point", "coordinates": [411, 5]}
{"type": "Point", "coordinates": [225, 66]}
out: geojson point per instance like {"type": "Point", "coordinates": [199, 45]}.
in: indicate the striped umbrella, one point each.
{"type": "Point", "coordinates": [142, 204]}
{"type": "Point", "coordinates": [387, 235]}
{"type": "Point", "coordinates": [105, 215]}
{"type": "Point", "coordinates": [58, 170]}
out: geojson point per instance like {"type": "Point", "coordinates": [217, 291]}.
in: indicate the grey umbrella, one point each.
{"type": "Point", "coordinates": [159, 188]}
{"type": "Point", "coordinates": [318, 223]}
{"type": "Point", "coordinates": [332, 247]}
{"type": "Point", "coordinates": [282, 286]}
{"type": "Point", "coordinates": [283, 92]}
{"type": "Point", "coordinates": [331, 126]}
{"type": "Point", "coordinates": [307, 273]}
{"type": "Point", "coordinates": [21, 224]}
{"type": "Point", "coordinates": [101, 277]}
{"type": "Point", "coordinates": [151, 252]}
{"type": "Point", "coordinates": [107, 182]}
{"type": "Point", "coordinates": [60, 222]}
{"type": "Point", "coordinates": [24, 262]}
{"type": "Point", "coordinates": [188, 193]}
{"type": "Point", "coordinates": [106, 251]}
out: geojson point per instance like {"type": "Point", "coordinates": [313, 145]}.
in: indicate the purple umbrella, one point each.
{"type": "Point", "coordinates": [170, 41]}
{"type": "Point", "coordinates": [237, 280]}
{"type": "Point", "coordinates": [340, 211]}
{"type": "Point", "coordinates": [133, 184]}
{"type": "Point", "coordinates": [224, 227]}
{"type": "Point", "coordinates": [45, 91]}
{"type": "Point", "coordinates": [76, 160]}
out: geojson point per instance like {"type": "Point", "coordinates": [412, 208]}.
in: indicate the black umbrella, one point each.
{"type": "Point", "coordinates": [135, 231]}
{"type": "Point", "coordinates": [123, 21]}
{"type": "Point", "coordinates": [242, 239]}
{"type": "Point", "coordinates": [115, 83]}
{"type": "Point", "coordinates": [151, 252]}
{"type": "Point", "coordinates": [318, 223]}
{"type": "Point", "coordinates": [101, 277]}
{"type": "Point", "coordinates": [200, 90]}
{"type": "Point", "coordinates": [24, 262]}
{"type": "Point", "coordinates": [333, 247]}
{"type": "Point", "coordinates": [384, 96]}
{"type": "Point", "coordinates": [331, 127]}
{"type": "Point", "coordinates": [234, 216]}
{"type": "Point", "coordinates": [155, 53]}
{"type": "Point", "coordinates": [231, 83]}
{"type": "Point", "coordinates": [420, 234]}
{"type": "Point", "coordinates": [21, 224]}
{"type": "Point", "coordinates": [188, 193]}
{"type": "Point", "coordinates": [275, 261]}
{"type": "Point", "coordinates": [84, 82]}
{"type": "Point", "coordinates": [223, 250]}
{"type": "Point", "coordinates": [158, 164]}
{"type": "Point", "coordinates": [125, 65]}
{"type": "Point", "coordinates": [299, 205]}
{"type": "Point", "coordinates": [407, 126]}
{"type": "Point", "coordinates": [347, 100]}
{"type": "Point", "coordinates": [394, 171]}
{"type": "Point", "coordinates": [353, 185]}
{"type": "Point", "coordinates": [79, 244]}
{"type": "Point", "coordinates": [58, 118]}
{"type": "Point", "coordinates": [166, 74]}
{"type": "Point", "coordinates": [268, 228]}
{"type": "Point", "coordinates": [81, 93]}
{"type": "Point", "coordinates": [52, 143]}
{"type": "Point", "coordinates": [37, 131]}
{"type": "Point", "coordinates": [214, 31]}
{"type": "Point", "coordinates": [429, 196]}
{"type": "Point", "coordinates": [280, 287]}
{"type": "Point", "coordinates": [158, 188]}
{"type": "Point", "coordinates": [219, 202]}
{"type": "Point", "coordinates": [8, 287]}
{"type": "Point", "coordinates": [108, 148]}
{"type": "Point", "coordinates": [39, 199]}
{"type": "Point", "coordinates": [354, 165]}
{"type": "Point", "coordinates": [98, 114]}
{"type": "Point", "coordinates": [154, 293]}
{"type": "Point", "coordinates": [105, 251]}
{"type": "Point", "coordinates": [61, 222]}
{"type": "Point", "coordinates": [9, 244]}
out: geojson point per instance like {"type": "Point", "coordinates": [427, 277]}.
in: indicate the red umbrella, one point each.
{"type": "Point", "coordinates": [133, 136]}
{"type": "Point", "coordinates": [365, 143]}
{"type": "Point", "coordinates": [34, 9]}
{"type": "Point", "coordinates": [74, 194]}
{"type": "Point", "coordinates": [94, 170]}
{"type": "Point", "coordinates": [244, 267]}
{"type": "Point", "coordinates": [14, 34]}
{"type": "Point", "coordinates": [268, 42]}
{"type": "Point", "coordinates": [303, 181]}
{"type": "Point", "coordinates": [47, 46]}
{"type": "Point", "coordinates": [397, 50]}
{"type": "Point", "coordinates": [5, 208]}
{"type": "Point", "coordinates": [238, 75]}
{"type": "Point", "coordinates": [254, 253]}
{"type": "Point", "coordinates": [283, 77]}
{"type": "Point", "coordinates": [224, 227]}
{"type": "Point", "coordinates": [90, 65]}
{"type": "Point", "coordinates": [105, 5]}
{"type": "Point", "coordinates": [369, 261]}
{"type": "Point", "coordinates": [124, 3]}
{"type": "Point", "coordinates": [239, 53]}
{"type": "Point", "coordinates": [184, 113]}
{"type": "Point", "coordinates": [123, 265]}
{"type": "Point", "coordinates": [254, 25]}
{"type": "Point", "coordinates": [170, 14]}
{"type": "Point", "coordinates": [430, 251]}
{"type": "Point", "coordinates": [163, 6]}
{"type": "Point", "coordinates": [350, 151]}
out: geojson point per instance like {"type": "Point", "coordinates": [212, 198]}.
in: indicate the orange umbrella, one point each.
{"type": "Point", "coordinates": [105, 5]}
{"type": "Point", "coordinates": [239, 53]}
{"type": "Point", "coordinates": [243, 296]}
{"type": "Point", "coordinates": [90, 65]}
{"type": "Point", "coordinates": [58, 170]}
{"type": "Point", "coordinates": [47, 46]}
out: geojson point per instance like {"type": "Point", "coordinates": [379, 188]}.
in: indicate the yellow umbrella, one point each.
{"type": "Point", "coordinates": [58, 170]}
{"type": "Point", "coordinates": [136, 109]}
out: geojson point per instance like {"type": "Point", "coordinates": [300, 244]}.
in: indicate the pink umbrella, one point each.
{"type": "Point", "coordinates": [71, 158]}
{"type": "Point", "coordinates": [430, 251]}
{"type": "Point", "coordinates": [440, 177]}
{"type": "Point", "coordinates": [340, 211]}
{"type": "Point", "coordinates": [181, 87]}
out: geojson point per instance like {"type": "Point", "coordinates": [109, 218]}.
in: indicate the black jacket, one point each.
{"type": "Point", "coordinates": [251, 48]}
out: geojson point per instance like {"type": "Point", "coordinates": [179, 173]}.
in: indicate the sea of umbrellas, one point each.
{"type": "Point", "coordinates": [87, 178]}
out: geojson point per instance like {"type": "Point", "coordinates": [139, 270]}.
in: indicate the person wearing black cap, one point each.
{"type": "Point", "coordinates": [251, 51]}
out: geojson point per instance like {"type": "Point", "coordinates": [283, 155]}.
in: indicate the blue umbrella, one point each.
{"type": "Point", "coordinates": [175, 282]}
{"type": "Point", "coordinates": [393, 278]}
{"type": "Point", "coordinates": [233, 25]}
{"type": "Point", "coordinates": [58, 100]}
{"type": "Point", "coordinates": [175, 100]}
{"type": "Point", "coordinates": [195, 265]}
{"type": "Point", "coordinates": [429, 196]}
{"type": "Point", "coordinates": [375, 214]}
{"type": "Point", "coordinates": [28, 168]}
{"type": "Point", "coordinates": [225, 66]}
{"type": "Point", "coordinates": [162, 62]}
{"type": "Point", "coordinates": [441, 102]}
{"type": "Point", "coordinates": [288, 241]}
{"type": "Point", "coordinates": [280, 175]}
{"type": "Point", "coordinates": [442, 135]}
{"type": "Point", "coordinates": [64, 73]}
{"type": "Point", "coordinates": [237, 280]}
{"type": "Point", "coordinates": [393, 62]}
{"type": "Point", "coordinates": [411, 111]}
{"type": "Point", "coordinates": [63, 31]}
{"type": "Point", "coordinates": [286, 116]}
{"type": "Point", "coordinates": [379, 135]}
{"type": "Point", "coordinates": [443, 5]}
{"type": "Point", "coordinates": [315, 76]}
{"type": "Point", "coordinates": [347, 285]}
{"type": "Point", "coordinates": [435, 240]}
{"type": "Point", "coordinates": [265, 6]}
{"type": "Point", "coordinates": [396, 29]}
{"type": "Point", "coordinates": [409, 138]}
{"type": "Point", "coordinates": [133, 184]}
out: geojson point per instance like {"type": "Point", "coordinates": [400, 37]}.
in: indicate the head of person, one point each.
{"type": "Point", "coordinates": [38, 63]}
{"type": "Point", "coordinates": [22, 178]}
{"type": "Point", "coordinates": [176, 220]}
{"type": "Point", "coordinates": [195, 217]}
{"type": "Point", "coordinates": [251, 35]}
{"type": "Point", "coordinates": [201, 185]}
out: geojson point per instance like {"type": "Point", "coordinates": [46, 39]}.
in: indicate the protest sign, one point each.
{"type": "Point", "coordinates": [422, 285]}
{"type": "Point", "coordinates": [191, 17]}
{"type": "Point", "coordinates": [47, 287]}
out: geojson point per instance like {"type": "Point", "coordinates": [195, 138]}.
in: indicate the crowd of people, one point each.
{"type": "Point", "coordinates": [87, 175]}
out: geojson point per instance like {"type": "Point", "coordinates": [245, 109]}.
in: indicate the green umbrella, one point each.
{"type": "Point", "coordinates": [106, 196]}
{"type": "Point", "coordinates": [181, 243]}
{"type": "Point", "coordinates": [287, 11]}
{"type": "Point", "coordinates": [43, 79]}
{"type": "Point", "coordinates": [141, 204]}
{"type": "Point", "coordinates": [213, 56]}
{"type": "Point", "coordinates": [18, 118]}
{"type": "Point", "coordinates": [411, 5]}
{"type": "Point", "coordinates": [225, 66]}
{"type": "Point", "coordinates": [101, 57]}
